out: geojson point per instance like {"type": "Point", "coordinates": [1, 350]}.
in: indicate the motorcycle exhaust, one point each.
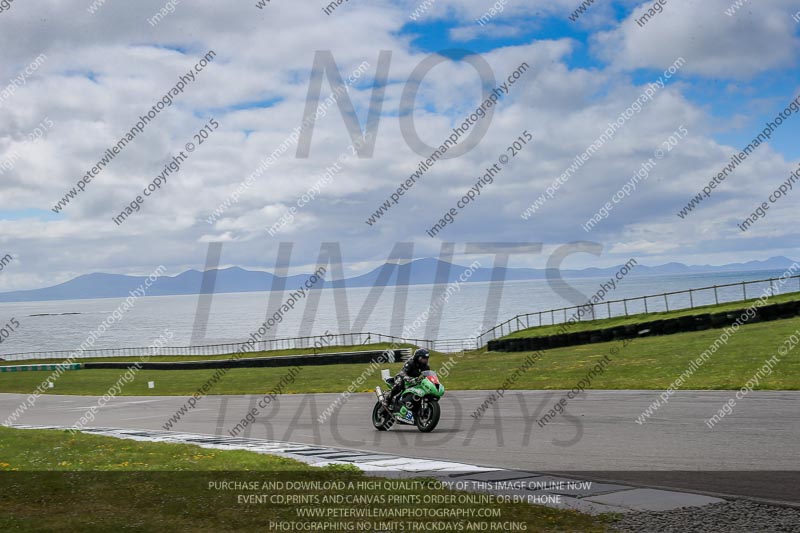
{"type": "Point", "coordinates": [380, 395]}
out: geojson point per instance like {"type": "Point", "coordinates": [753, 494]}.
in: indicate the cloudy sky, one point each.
{"type": "Point", "coordinates": [99, 71]}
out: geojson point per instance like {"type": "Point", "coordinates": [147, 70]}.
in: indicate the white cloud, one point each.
{"type": "Point", "coordinates": [266, 56]}
{"type": "Point", "coordinates": [759, 38]}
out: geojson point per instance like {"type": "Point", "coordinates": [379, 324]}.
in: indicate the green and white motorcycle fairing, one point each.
{"type": "Point", "coordinates": [418, 403]}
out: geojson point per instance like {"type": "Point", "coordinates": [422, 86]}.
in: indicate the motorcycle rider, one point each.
{"type": "Point", "coordinates": [413, 369]}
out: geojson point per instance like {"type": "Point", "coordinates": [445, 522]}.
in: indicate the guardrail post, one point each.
{"type": "Point", "coordinates": [625, 303]}
{"type": "Point", "coordinates": [716, 296]}
{"type": "Point", "coordinates": [645, 305]}
{"type": "Point", "coordinates": [691, 299]}
{"type": "Point", "coordinates": [744, 290]}
{"type": "Point", "coordinates": [609, 309]}
{"type": "Point", "coordinates": [666, 302]}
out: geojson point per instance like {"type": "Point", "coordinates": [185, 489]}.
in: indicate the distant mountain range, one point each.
{"type": "Point", "coordinates": [418, 272]}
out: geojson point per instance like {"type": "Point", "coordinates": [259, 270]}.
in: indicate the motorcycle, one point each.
{"type": "Point", "coordinates": [417, 404]}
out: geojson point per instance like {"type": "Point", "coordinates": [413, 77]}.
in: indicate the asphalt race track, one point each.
{"type": "Point", "coordinates": [753, 452]}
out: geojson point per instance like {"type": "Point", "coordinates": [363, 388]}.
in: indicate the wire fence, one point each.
{"type": "Point", "coordinates": [315, 344]}
{"type": "Point", "coordinates": [654, 303]}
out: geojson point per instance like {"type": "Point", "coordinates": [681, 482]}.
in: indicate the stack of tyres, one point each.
{"type": "Point", "coordinates": [766, 313]}
{"type": "Point", "coordinates": [788, 309]}
{"type": "Point", "coordinates": [557, 341]}
{"type": "Point", "coordinates": [632, 331]}
{"type": "Point", "coordinates": [702, 322]}
{"type": "Point", "coordinates": [719, 320]}
{"type": "Point", "coordinates": [618, 333]}
{"type": "Point", "coordinates": [686, 323]}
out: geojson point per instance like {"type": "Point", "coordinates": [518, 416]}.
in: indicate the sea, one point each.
{"type": "Point", "coordinates": [471, 308]}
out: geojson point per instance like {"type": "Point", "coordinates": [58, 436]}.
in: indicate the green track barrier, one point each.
{"type": "Point", "coordinates": [33, 368]}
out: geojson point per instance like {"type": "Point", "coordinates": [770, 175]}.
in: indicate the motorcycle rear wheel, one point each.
{"type": "Point", "coordinates": [380, 418]}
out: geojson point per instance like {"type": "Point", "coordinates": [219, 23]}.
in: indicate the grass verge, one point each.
{"type": "Point", "coordinates": [56, 481]}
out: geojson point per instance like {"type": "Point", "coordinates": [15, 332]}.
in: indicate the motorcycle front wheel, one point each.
{"type": "Point", "coordinates": [428, 416]}
{"type": "Point", "coordinates": [380, 418]}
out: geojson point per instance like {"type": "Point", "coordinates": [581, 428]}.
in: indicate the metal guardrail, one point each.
{"type": "Point", "coordinates": [654, 303]}
{"type": "Point", "coordinates": [332, 358]}
{"type": "Point", "coordinates": [316, 344]}
{"type": "Point", "coordinates": [454, 345]}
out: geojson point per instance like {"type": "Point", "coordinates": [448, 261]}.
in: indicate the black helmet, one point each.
{"type": "Point", "coordinates": [422, 353]}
